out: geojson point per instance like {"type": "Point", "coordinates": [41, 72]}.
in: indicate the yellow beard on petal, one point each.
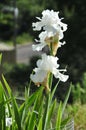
{"type": "Point", "coordinates": [52, 42]}
{"type": "Point", "coordinates": [46, 86]}
{"type": "Point", "coordinates": [44, 83]}
{"type": "Point", "coordinates": [54, 48]}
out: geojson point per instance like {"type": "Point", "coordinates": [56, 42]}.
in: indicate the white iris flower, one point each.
{"type": "Point", "coordinates": [50, 22]}
{"type": "Point", "coordinates": [44, 66]}
{"type": "Point", "coordinates": [46, 38]}
{"type": "Point", "coordinates": [53, 29]}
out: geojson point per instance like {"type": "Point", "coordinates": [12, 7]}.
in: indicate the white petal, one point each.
{"type": "Point", "coordinates": [50, 22]}
{"type": "Point", "coordinates": [37, 26]}
{"type": "Point", "coordinates": [39, 76]}
{"type": "Point", "coordinates": [38, 18]}
{"type": "Point", "coordinates": [63, 70]}
{"type": "Point", "coordinates": [61, 43]}
{"type": "Point", "coordinates": [61, 76]}
{"type": "Point", "coordinates": [47, 62]}
{"type": "Point", "coordinates": [64, 26]}
{"type": "Point", "coordinates": [38, 47]}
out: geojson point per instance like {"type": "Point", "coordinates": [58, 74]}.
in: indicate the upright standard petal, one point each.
{"type": "Point", "coordinates": [50, 21]}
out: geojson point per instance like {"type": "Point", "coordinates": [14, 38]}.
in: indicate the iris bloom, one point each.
{"type": "Point", "coordinates": [44, 66]}
{"type": "Point", "coordinates": [47, 39]}
{"type": "Point", "coordinates": [50, 22]}
{"type": "Point", "coordinates": [53, 30]}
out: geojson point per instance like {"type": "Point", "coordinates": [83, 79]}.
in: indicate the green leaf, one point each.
{"type": "Point", "coordinates": [1, 92]}
{"type": "Point", "coordinates": [0, 58]}
{"type": "Point", "coordinates": [27, 92]}
{"type": "Point", "coordinates": [59, 117]}
{"type": "Point", "coordinates": [14, 104]}
{"type": "Point", "coordinates": [50, 80]}
{"type": "Point", "coordinates": [7, 100]}
{"type": "Point", "coordinates": [26, 123]}
{"type": "Point", "coordinates": [65, 121]}
{"type": "Point", "coordinates": [16, 112]}
{"type": "Point", "coordinates": [50, 113]}
{"type": "Point", "coordinates": [54, 89]}
{"type": "Point", "coordinates": [1, 105]}
{"type": "Point", "coordinates": [41, 108]}
{"type": "Point", "coordinates": [7, 86]}
{"type": "Point", "coordinates": [32, 98]}
{"type": "Point", "coordinates": [28, 104]}
{"type": "Point", "coordinates": [66, 100]}
{"type": "Point", "coordinates": [35, 110]}
{"type": "Point", "coordinates": [39, 126]}
{"type": "Point", "coordinates": [2, 108]}
{"type": "Point", "coordinates": [21, 109]}
{"type": "Point", "coordinates": [46, 109]}
{"type": "Point", "coordinates": [33, 117]}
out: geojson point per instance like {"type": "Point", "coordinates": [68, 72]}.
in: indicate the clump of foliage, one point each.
{"type": "Point", "coordinates": [35, 112]}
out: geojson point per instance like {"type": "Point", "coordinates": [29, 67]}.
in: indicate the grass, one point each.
{"type": "Point", "coordinates": [78, 111]}
{"type": "Point", "coordinates": [80, 118]}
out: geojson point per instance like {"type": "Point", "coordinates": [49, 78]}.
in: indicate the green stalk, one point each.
{"type": "Point", "coordinates": [59, 117]}
{"type": "Point", "coordinates": [51, 49]}
{"type": "Point", "coordinates": [50, 80]}
{"type": "Point", "coordinates": [45, 116]}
